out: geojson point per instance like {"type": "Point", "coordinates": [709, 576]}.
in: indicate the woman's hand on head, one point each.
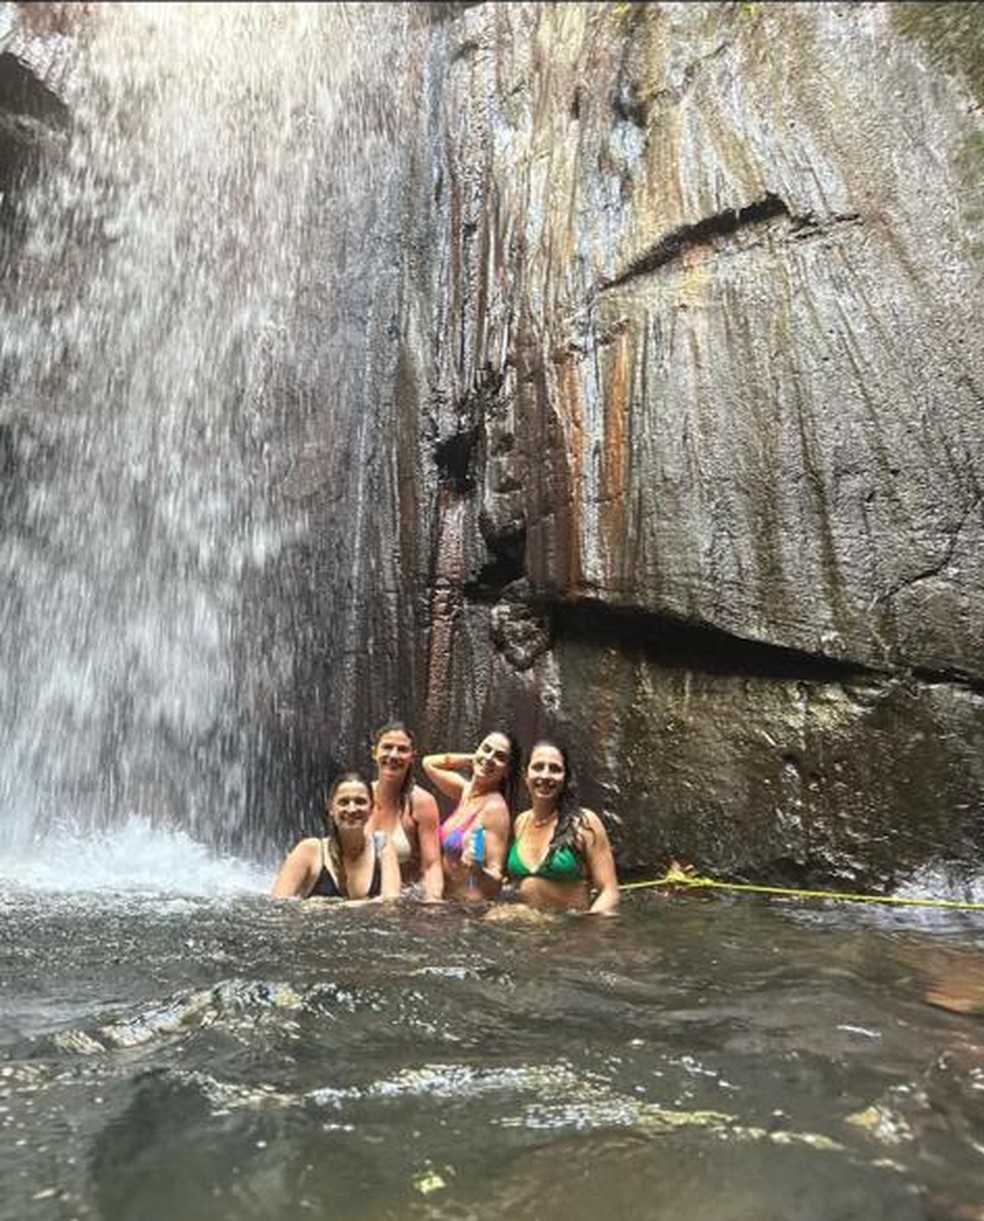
{"type": "Point", "coordinates": [443, 771]}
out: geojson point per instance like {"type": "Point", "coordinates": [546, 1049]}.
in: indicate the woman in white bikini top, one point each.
{"type": "Point", "coordinates": [405, 812]}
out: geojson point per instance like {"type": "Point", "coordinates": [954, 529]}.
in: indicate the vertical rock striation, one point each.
{"type": "Point", "coordinates": [612, 370]}
{"type": "Point", "coordinates": [693, 299]}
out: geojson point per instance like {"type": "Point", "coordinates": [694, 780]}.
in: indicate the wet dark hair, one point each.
{"type": "Point", "coordinates": [570, 816]}
{"type": "Point", "coordinates": [509, 784]}
{"type": "Point", "coordinates": [406, 788]}
{"type": "Point", "coordinates": [392, 727]}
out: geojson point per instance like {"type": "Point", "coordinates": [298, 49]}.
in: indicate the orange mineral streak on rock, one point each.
{"type": "Point", "coordinates": [695, 281]}
{"type": "Point", "coordinates": [615, 455]}
{"type": "Point", "coordinates": [570, 409]}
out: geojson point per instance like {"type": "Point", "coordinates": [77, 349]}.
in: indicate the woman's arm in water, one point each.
{"type": "Point", "coordinates": [299, 872]}
{"type": "Point", "coordinates": [601, 864]}
{"type": "Point", "coordinates": [427, 819]}
{"type": "Point", "coordinates": [444, 771]}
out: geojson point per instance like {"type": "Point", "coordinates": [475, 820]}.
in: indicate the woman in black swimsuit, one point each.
{"type": "Point", "coordinates": [346, 864]}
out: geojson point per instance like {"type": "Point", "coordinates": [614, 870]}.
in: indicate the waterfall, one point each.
{"type": "Point", "coordinates": [183, 359]}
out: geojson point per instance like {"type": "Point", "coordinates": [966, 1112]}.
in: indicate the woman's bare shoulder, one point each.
{"type": "Point", "coordinates": [588, 820]}
{"type": "Point", "coordinates": [424, 802]}
{"type": "Point", "coordinates": [308, 846]}
{"type": "Point", "coordinates": [495, 804]}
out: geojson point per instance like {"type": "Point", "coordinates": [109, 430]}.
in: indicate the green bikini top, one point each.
{"type": "Point", "coordinates": [561, 864]}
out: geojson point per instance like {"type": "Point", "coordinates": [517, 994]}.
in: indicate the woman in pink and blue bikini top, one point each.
{"type": "Point", "coordinates": [475, 835]}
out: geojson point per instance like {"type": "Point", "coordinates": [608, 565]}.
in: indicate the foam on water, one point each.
{"type": "Point", "coordinates": [177, 343]}
{"type": "Point", "coordinates": [133, 857]}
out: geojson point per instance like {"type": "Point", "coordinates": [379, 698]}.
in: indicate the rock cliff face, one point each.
{"type": "Point", "coordinates": [638, 400]}
{"type": "Point", "coordinates": [690, 407]}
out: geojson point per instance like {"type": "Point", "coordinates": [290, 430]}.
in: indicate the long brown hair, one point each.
{"type": "Point", "coordinates": [509, 785]}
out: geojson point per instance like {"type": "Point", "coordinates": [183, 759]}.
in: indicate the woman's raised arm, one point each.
{"type": "Point", "coordinates": [444, 771]}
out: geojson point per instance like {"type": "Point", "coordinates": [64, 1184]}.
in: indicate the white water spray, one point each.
{"type": "Point", "coordinates": [166, 327]}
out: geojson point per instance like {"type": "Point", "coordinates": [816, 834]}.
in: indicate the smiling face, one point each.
{"type": "Point", "coordinates": [546, 773]}
{"type": "Point", "coordinates": [491, 760]}
{"type": "Point", "coordinates": [351, 804]}
{"type": "Point", "coordinates": [393, 753]}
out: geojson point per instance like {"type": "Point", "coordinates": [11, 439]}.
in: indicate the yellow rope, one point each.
{"type": "Point", "coordinates": [678, 877]}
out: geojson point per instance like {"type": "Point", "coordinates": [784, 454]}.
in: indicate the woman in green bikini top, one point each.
{"type": "Point", "coordinates": [560, 857]}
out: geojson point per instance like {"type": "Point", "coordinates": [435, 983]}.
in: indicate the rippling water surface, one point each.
{"type": "Point", "coordinates": [169, 1055]}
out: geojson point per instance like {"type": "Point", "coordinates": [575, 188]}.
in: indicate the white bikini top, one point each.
{"type": "Point", "coordinates": [401, 842]}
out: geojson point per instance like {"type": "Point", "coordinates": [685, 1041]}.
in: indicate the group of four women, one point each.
{"type": "Point", "coordinates": [387, 834]}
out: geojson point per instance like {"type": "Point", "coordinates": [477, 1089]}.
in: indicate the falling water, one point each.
{"type": "Point", "coordinates": [181, 343]}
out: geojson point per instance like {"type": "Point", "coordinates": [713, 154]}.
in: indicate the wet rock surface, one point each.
{"type": "Point", "coordinates": [722, 265]}
{"type": "Point", "coordinates": [637, 399]}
